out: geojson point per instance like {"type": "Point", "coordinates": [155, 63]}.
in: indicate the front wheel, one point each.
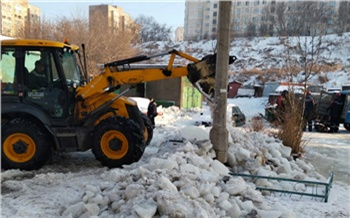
{"type": "Point", "coordinates": [117, 141]}
{"type": "Point", "coordinates": [24, 145]}
{"type": "Point", "coordinates": [148, 126]}
{"type": "Point", "coordinates": [347, 126]}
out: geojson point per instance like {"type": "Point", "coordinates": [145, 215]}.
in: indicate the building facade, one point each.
{"type": "Point", "coordinates": [258, 16]}
{"type": "Point", "coordinates": [109, 16]}
{"type": "Point", "coordinates": [18, 17]}
{"type": "Point", "coordinates": [179, 34]}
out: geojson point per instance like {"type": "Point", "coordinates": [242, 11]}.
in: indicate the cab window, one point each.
{"type": "Point", "coordinates": [7, 71]}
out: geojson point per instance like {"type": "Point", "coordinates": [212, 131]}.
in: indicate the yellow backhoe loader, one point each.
{"type": "Point", "coordinates": [48, 104]}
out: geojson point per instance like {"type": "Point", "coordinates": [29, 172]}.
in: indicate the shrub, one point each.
{"type": "Point", "coordinates": [291, 124]}
{"type": "Point", "coordinates": [257, 124]}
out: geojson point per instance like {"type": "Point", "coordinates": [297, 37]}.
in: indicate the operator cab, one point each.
{"type": "Point", "coordinates": [41, 73]}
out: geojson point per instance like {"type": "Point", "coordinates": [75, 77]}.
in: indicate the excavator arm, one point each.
{"type": "Point", "coordinates": [98, 95]}
{"type": "Point", "coordinates": [201, 74]}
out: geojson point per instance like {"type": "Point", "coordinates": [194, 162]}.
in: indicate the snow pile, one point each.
{"type": "Point", "coordinates": [183, 179]}
{"type": "Point", "coordinates": [186, 182]}
{"type": "Point", "coordinates": [177, 176]}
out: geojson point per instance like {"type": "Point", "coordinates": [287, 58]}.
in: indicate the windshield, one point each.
{"type": "Point", "coordinates": [71, 68]}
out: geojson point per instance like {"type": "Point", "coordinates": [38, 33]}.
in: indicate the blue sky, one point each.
{"type": "Point", "coordinates": [164, 12]}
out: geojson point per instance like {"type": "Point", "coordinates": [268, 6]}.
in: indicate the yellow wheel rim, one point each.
{"type": "Point", "coordinates": [19, 147]}
{"type": "Point", "coordinates": [114, 144]}
{"type": "Point", "coordinates": [145, 134]}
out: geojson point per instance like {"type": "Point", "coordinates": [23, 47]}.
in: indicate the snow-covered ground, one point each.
{"type": "Point", "coordinates": [182, 179]}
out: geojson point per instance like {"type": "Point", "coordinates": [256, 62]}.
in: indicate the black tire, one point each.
{"type": "Point", "coordinates": [24, 145]}
{"type": "Point", "coordinates": [126, 138]}
{"type": "Point", "coordinates": [148, 125]}
{"type": "Point", "coordinates": [347, 126]}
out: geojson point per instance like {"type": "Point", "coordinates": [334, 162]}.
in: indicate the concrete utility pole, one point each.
{"type": "Point", "coordinates": [219, 133]}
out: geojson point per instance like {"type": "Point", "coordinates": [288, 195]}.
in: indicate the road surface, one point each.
{"type": "Point", "coordinates": [329, 152]}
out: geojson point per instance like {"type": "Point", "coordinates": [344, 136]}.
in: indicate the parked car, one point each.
{"type": "Point", "coordinates": [236, 115]}
{"type": "Point", "coordinates": [322, 121]}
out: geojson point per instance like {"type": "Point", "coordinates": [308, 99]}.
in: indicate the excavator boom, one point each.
{"type": "Point", "coordinates": [201, 73]}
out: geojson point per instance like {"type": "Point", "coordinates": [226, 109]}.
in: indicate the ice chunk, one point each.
{"type": "Point", "coordinates": [285, 150]}
{"type": "Point", "coordinates": [189, 168]}
{"type": "Point", "coordinates": [133, 190]}
{"type": "Point", "coordinates": [191, 133]}
{"type": "Point", "coordinates": [269, 214]}
{"type": "Point", "coordinates": [234, 211]}
{"type": "Point", "coordinates": [235, 186]}
{"type": "Point", "coordinates": [242, 154]}
{"type": "Point", "coordinates": [247, 205]}
{"type": "Point", "coordinates": [75, 210]}
{"type": "Point", "coordinates": [157, 163]}
{"type": "Point", "coordinates": [216, 191]}
{"type": "Point", "coordinates": [146, 209]}
{"type": "Point", "coordinates": [190, 191]}
{"type": "Point", "coordinates": [166, 184]}
{"type": "Point", "coordinates": [219, 167]}
{"type": "Point", "coordinates": [93, 208]}
{"type": "Point", "coordinates": [225, 205]}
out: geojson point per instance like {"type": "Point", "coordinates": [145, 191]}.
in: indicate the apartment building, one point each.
{"type": "Point", "coordinates": [18, 17]}
{"type": "Point", "coordinates": [201, 17]}
{"type": "Point", "coordinates": [109, 16]}
{"type": "Point", "coordinates": [179, 34]}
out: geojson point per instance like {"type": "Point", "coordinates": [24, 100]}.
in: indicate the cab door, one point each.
{"type": "Point", "coordinates": [52, 95]}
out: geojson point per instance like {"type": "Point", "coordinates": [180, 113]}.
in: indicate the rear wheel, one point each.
{"type": "Point", "coordinates": [347, 126]}
{"type": "Point", "coordinates": [117, 141]}
{"type": "Point", "coordinates": [24, 145]}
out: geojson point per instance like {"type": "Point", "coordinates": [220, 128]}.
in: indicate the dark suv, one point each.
{"type": "Point", "coordinates": [238, 116]}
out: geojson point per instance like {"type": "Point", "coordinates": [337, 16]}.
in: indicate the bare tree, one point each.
{"type": "Point", "coordinates": [299, 17]}
{"type": "Point", "coordinates": [102, 43]}
{"type": "Point", "coordinates": [151, 30]}
{"type": "Point", "coordinates": [251, 30]}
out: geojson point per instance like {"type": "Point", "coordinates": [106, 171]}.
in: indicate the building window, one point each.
{"type": "Point", "coordinates": [247, 10]}
{"type": "Point", "coordinates": [214, 21]}
{"type": "Point", "coordinates": [246, 19]}
{"type": "Point", "coordinates": [215, 13]}
{"type": "Point", "coordinates": [215, 5]}
{"type": "Point", "coordinates": [207, 17]}
{"type": "Point", "coordinates": [264, 2]}
{"type": "Point", "coordinates": [199, 14]}
{"type": "Point", "coordinates": [207, 9]}
{"type": "Point", "coordinates": [207, 25]}
{"type": "Point", "coordinates": [237, 28]}
{"type": "Point", "coordinates": [238, 11]}
{"type": "Point", "coordinates": [255, 19]}
{"type": "Point", "coordinates": [256, 3]}
{"type": "Point", "coordinates": [273, 2]}
{"type": "Point", "coordinates": [332, 3]}
{"type": "Point", "coordinates": [256, 11]}
{"type": "Point", "coordinates": [247, 3]}
{"type": "Point", "coordinates": [213, 29]}
{"type": "Point", "coordinates": [239, 3]}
